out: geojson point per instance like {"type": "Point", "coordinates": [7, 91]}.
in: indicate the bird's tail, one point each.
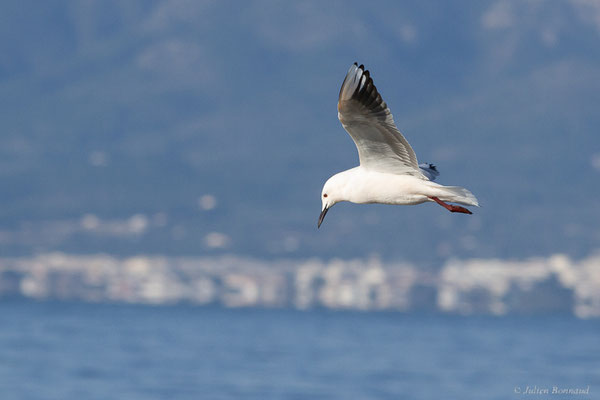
{"type": "Point", "coordinates": [457, 194]}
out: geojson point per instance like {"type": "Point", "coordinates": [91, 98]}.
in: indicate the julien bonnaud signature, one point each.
{"type": "Point", "coordinates": [552, 390]}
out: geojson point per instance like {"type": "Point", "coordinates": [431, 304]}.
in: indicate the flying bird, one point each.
{"type": "Point", "coordinates": [388, 172]}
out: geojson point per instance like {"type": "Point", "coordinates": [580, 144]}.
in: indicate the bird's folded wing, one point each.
{"type": "Point", "coordinates": [368, 120]}
{"type": "Point", "coordinates": [429, 170]}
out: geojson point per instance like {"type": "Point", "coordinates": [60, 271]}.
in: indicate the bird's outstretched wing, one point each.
{"type": "Point", "coordinates": [368, 120]}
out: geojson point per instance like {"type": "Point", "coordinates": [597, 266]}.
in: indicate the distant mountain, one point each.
{"type": "Point", "coordinates": [209, 127]}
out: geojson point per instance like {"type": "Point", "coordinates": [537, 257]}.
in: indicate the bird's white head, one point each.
{"type": "Point", "coordinates": [333, 192]}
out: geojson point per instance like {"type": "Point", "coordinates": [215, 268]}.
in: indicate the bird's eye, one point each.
{"type": "Point", "coordinates": [325, 195]}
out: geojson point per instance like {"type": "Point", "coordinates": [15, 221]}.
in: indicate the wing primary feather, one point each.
{"type": "Point", "coordinates": [365, 91]}
{"type": "Point", "coordinates": [351, 75]}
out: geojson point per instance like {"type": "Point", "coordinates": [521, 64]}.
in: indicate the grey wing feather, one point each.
{"type": "Point", "coordinates": [368, 120]}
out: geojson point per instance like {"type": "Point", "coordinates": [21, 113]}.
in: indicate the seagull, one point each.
{"type": "Point", "coordinates": [388, 172]}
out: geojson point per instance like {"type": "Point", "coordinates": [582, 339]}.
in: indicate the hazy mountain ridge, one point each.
{"type": "Point", "coordinates": [116, 110]}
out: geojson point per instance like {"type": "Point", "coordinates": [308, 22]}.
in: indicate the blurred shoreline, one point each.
{"type": "Point", "coordinates": [556, 284]}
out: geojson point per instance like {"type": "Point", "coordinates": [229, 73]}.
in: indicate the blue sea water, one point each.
{"type": "Point", "coordinates": [87, 351]}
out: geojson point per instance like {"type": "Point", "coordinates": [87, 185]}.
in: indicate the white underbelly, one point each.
{"type": "Point", "coordinates": [376, 187]}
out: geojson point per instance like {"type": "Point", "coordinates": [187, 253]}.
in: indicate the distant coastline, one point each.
{"type": "Point", "coordinates": [555, 284]}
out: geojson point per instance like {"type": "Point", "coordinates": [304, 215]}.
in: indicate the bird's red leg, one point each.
{"type": "Point", "coordinates": [451, 207]}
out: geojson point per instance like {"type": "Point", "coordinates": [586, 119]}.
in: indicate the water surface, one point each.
{"type": "Point", "coordinates": [87, 351]}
